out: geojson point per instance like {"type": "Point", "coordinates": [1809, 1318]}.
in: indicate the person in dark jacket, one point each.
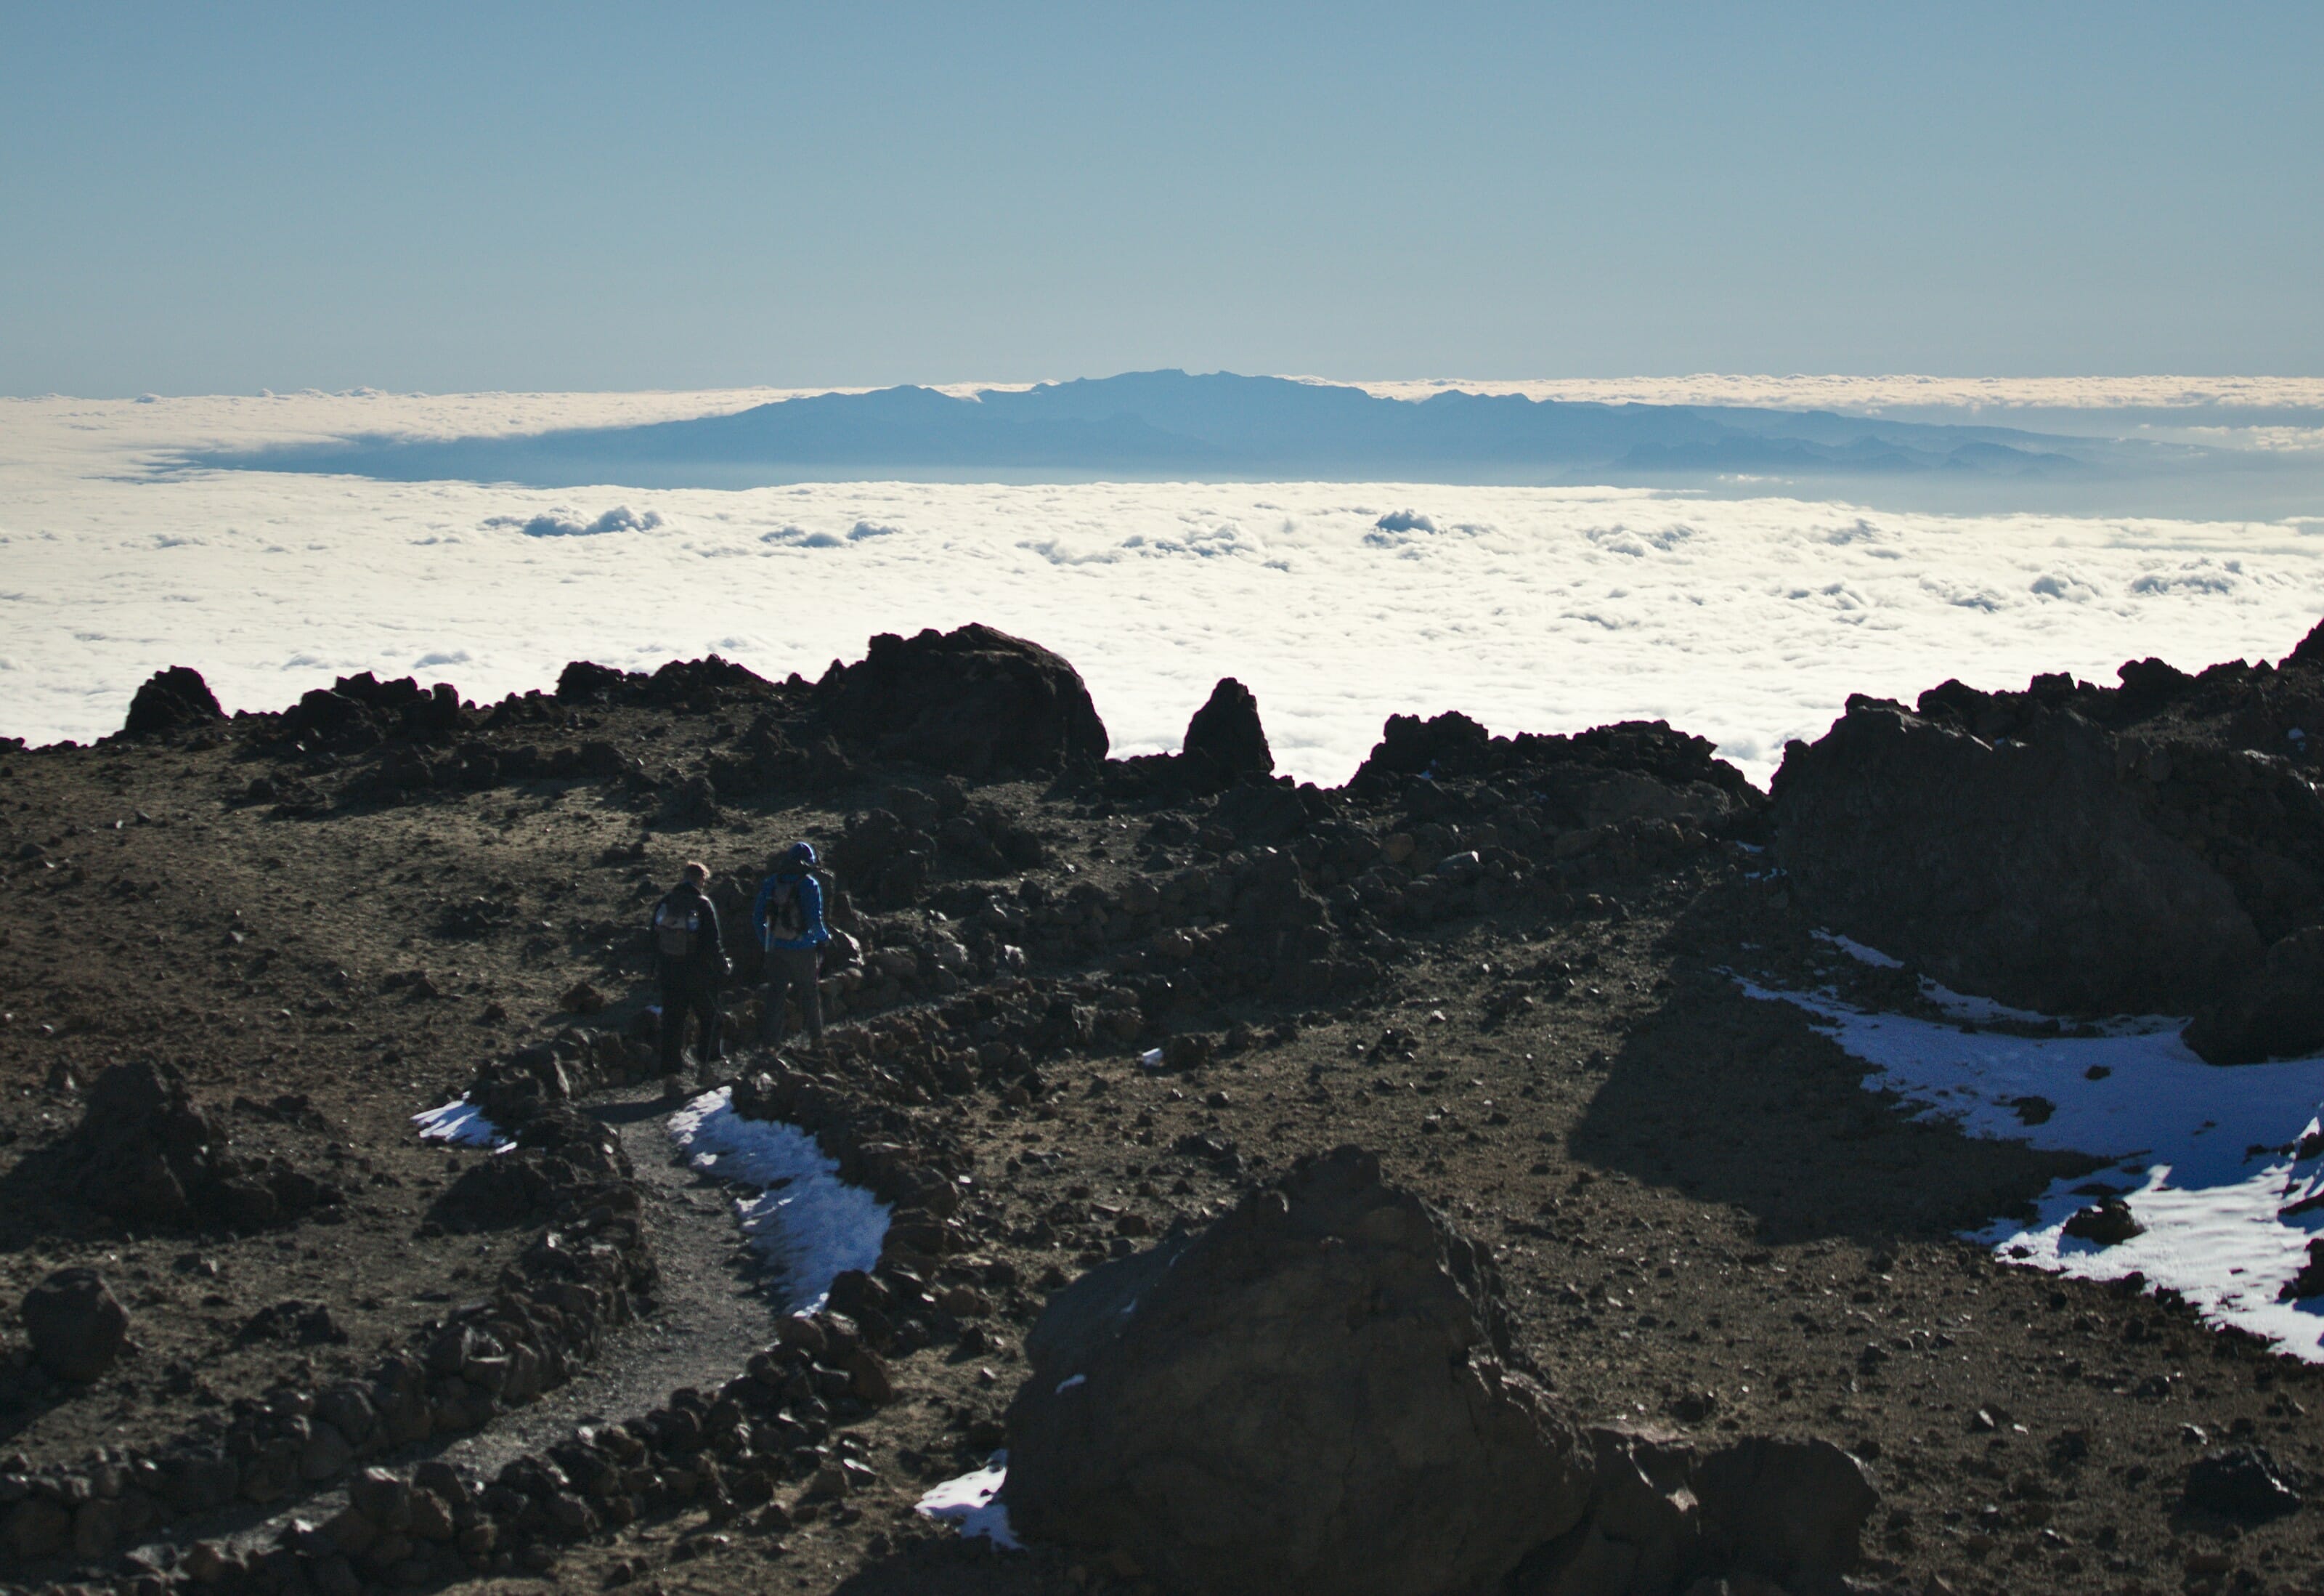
{"type": "Point", "coordinates": [691, 960]}
{"type": "Point", "coordinates": [788, 918]}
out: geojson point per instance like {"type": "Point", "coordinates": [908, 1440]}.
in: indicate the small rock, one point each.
{"type": "Point", "coordinates": [2107, 1222]}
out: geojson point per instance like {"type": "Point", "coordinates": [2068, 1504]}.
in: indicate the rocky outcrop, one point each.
{"type": "Point", "coordinates": [360, 711]}
{"type": "Point", "coordinates": [2023, 869]}
{"type": "Point", "coordinates": [1225, 736]}
{"type": "Point", "coordinates": [147, 1154]}
{"type": "Point", "coordinates": [974, 703]}
{"type": "Point", "coordinates": [172, 700]}
{"type": "Point", "coordinates": [1632, 771]}
{"type": "Point", "coordinates": [1318, 1393]}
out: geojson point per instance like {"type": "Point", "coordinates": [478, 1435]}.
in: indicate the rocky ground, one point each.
{"type": "Point", "coordinates": [1505, 967]}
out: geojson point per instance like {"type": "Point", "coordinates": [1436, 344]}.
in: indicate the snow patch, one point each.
{"type": "Point", "coordinates": [462, 1124]}
{"type": "Point", "coordinates": [1860, 953]}
{"type": "Point", "coordinates": [802, 1219]}
{"type": "Point", "coordinates": [2207, 1158]}
{"type": "Point", "coordinates": [969, 1501]}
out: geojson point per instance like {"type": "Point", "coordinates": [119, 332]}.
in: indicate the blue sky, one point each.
{"type": "Point", "coordinates": [225, 197]}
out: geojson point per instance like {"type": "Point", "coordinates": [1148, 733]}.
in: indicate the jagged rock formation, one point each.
{"type": "Point", "coordinates": [1226, 735]}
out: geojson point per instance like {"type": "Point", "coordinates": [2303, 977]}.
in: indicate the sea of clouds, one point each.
{"type": "Point", "coordinates": [1746, 620]}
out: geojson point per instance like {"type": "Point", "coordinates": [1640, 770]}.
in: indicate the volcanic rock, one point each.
{"type": "Point", "coordinates": [1317, 1393]}
{"type": "Point", "coordinates": [77, 1326]}
{"type": "Point", "coordinates": [1226, 733]}
{"type": "Point", "coordinates": [583, 681]}
{"type": "Point", "coordinates": [2024, 871]}
{"type": "Point", "coordinates": [976, 703]}
{"type": "Point", "coordinates": [2108, 1222]}
{"type": "Point", "coordinates": [144, 1153]}
{"type": "Point", "coordinates": [1791, 1510]}
{"type": "Point", "coordinates": [1631, 770]}
{"type": "Point", "coordinates": [172, 700]}
{"type": "Point", "coordinates": [2240, 1482]}
{"type": "Point", "coordinates": [356, 711]}
{"type": "Point", "coordinates": [1665, 1516]}
{"type": "Point", "coordinates": [2276, 1011]}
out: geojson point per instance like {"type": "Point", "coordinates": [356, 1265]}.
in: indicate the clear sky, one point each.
{"type": "Point", "coordinates": [224, 196]}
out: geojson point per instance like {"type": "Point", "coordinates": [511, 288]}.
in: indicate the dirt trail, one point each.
{"type": "Point", "coordinates": [709, 1314]}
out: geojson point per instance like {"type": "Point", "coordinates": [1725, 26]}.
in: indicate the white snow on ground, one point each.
{"type": "Point", "coordinates": [806, 1223]}
{"type": "Point", "coordinates": [2202, 1154]}
{"type": "Point", "coordinates": [1749, 621]}
{"type": "Point", "coordinates": [968, 1502]}
{"type": "Point", "coordinates": [461, 1123]}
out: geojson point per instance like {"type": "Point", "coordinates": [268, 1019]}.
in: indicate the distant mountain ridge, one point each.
{"type": "Point", "coordinates": [1219, 425]}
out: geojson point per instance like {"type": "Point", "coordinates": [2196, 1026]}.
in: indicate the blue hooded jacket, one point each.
{"type": "Point", "coordinates": [798, 874]}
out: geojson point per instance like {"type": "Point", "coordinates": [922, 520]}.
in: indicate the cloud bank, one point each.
{"type": "Point", "coordinates": [1745, 619]}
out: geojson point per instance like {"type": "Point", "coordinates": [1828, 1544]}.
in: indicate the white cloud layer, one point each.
{"type": "Point", "coordinates": [1860, 395]}
{"type": "Point", "coordinates": [1749, 621]}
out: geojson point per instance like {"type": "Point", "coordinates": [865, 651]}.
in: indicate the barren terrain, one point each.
{"type": "Point", "coordinates": [1703, 1219]}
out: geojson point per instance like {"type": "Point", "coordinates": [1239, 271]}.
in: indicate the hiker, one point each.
{"type": "Point", "coordinates": [691, 961]}
{"type": "Point", "coordinates": [789, 916]}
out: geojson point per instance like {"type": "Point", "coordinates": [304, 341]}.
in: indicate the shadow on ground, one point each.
{"type": "Point", "coordinates": [1734, 1099]}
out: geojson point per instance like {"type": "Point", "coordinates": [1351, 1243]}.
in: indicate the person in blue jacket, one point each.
{"type": "Point", "coordinates": [789, 916]}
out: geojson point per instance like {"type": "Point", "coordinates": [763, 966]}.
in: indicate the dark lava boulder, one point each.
{"type": "Point", "coordinates": [172, 700]}
{"type": "Point", "coordinates": [1318, 1393]}
{"type": "Point", "coordinates": [1791, 1510]}
{"type": "Point", "coordinates": [975, 703]}
{"type": "Point", "coordinates": [583, 681]}
{"type": "Point", "coordinates": [1666, 1515]}
{"type": "Point", "coordinates": [77, 1326]}
{"type": "Point", "coordinates": [1225, 733]}
{"type": "Point", "coordinates": [2276, 1011]}
{"type": "Point", "coordinates": [2024, 870]}
{"type": "Point", "coordinates": [2241, 1483]}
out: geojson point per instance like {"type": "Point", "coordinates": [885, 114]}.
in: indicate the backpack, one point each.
{"type": "Point", "coordinates": [675, 930]}
{"type": "Point", "coordinates": [785, 919]}
{"type": "Point", "coordinates": [786, 916]}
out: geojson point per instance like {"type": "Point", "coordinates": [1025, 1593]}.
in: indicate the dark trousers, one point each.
{"type": "Point", "coordinates": [685, 991]}
{"type": "Point", "coordinates": [791, 972]}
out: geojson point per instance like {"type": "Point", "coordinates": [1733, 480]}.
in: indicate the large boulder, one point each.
{"type": "Point", "coordinates": [1318, 1393]}
{"type": "Point", "coordinates": [172, 700]}
{"type": "Point", "coordinates": [976, 703]}
{"type": "Point", "coordinates": [1666, 1515]}
{"type": "Point", "coordinates": [1225, 733]}
{"type": "Point", "coordinates": [2023, 869]}
{"type": "Point", "coordinates": [77, 1326]}
{"type": "Point", "coordinates": [2276, 1011]}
